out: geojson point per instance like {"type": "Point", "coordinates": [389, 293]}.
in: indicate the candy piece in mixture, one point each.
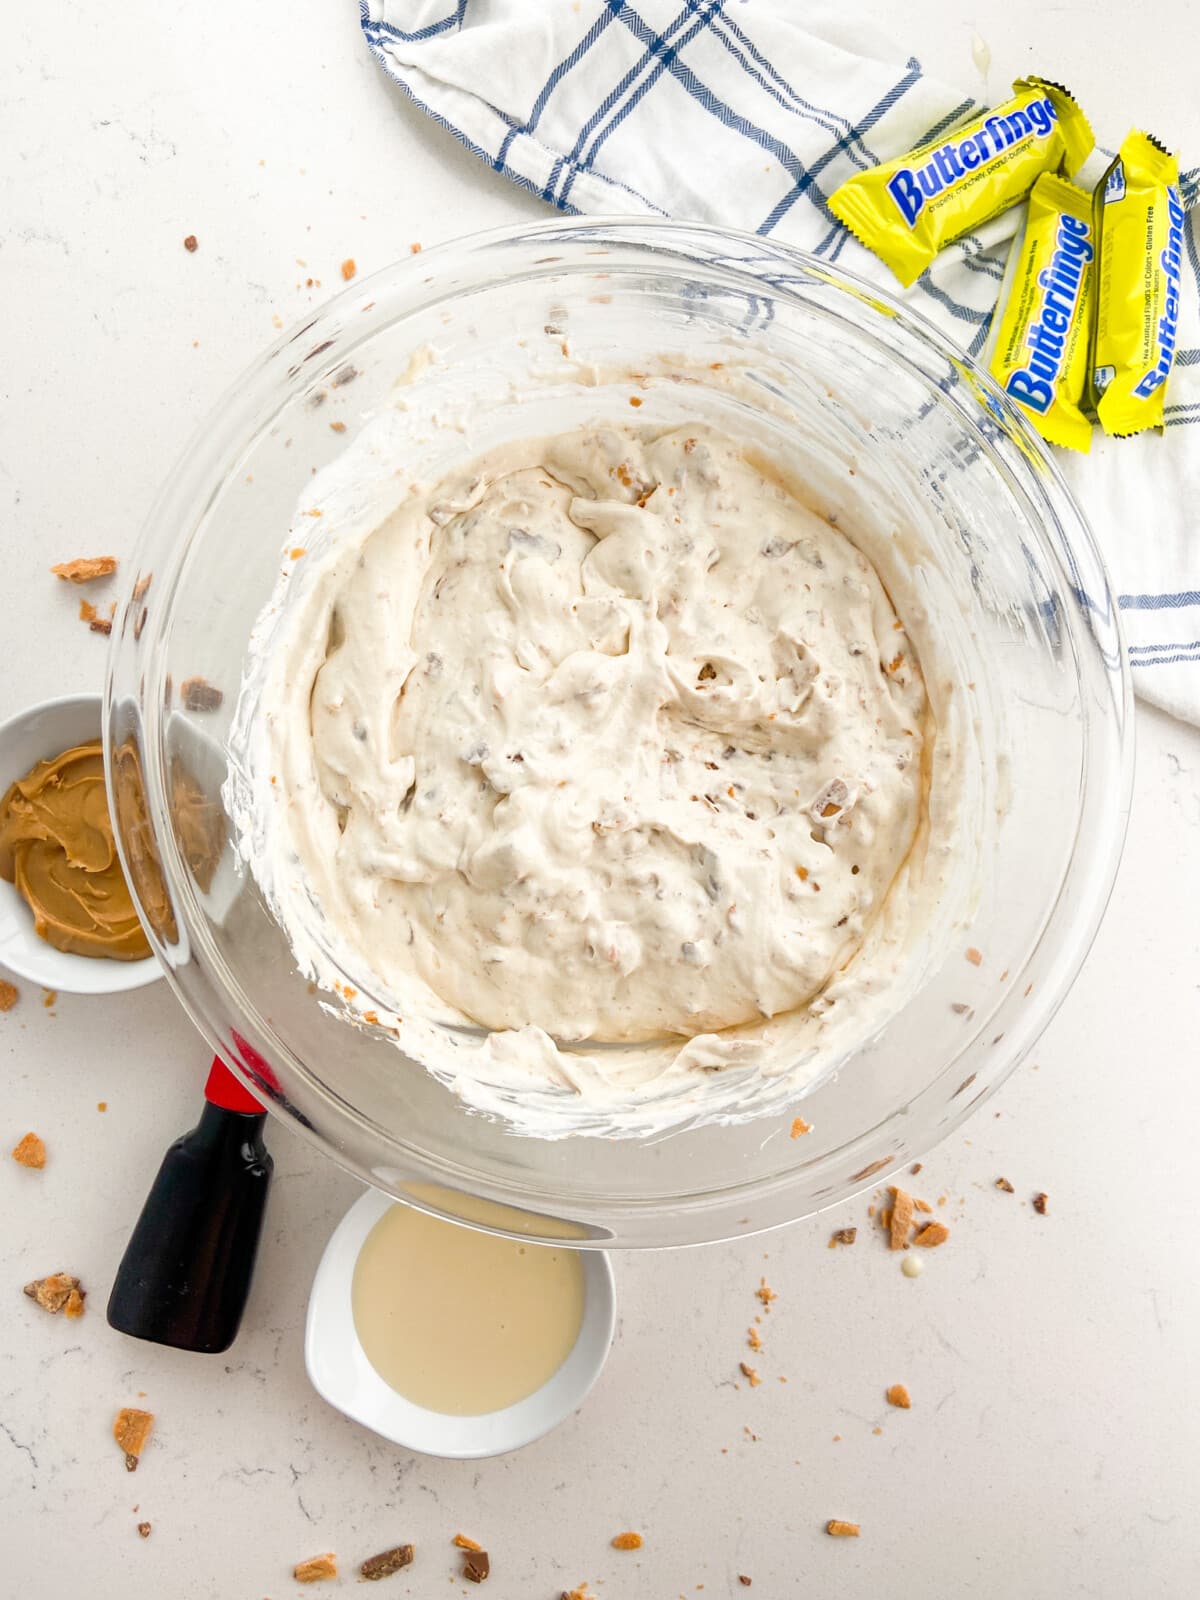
{"type": "Point", "coordinates": [57, 847]}
{"type": "Point", "coordinates": [611, 734]}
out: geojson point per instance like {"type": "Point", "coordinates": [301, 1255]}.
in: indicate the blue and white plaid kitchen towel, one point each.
{"type": "Point", "coordinates": [750, 115]}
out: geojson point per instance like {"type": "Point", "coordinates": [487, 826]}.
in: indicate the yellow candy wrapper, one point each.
{"type": "Point", "coordinates": [1040, 355]}
{"type": "Point", "coordinates": [1140, 221]}
{"type": "Point", "coordinates": [906, 210]}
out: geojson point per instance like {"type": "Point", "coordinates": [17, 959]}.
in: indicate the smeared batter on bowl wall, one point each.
{"type": "Point", "coordinates": [607, 737]}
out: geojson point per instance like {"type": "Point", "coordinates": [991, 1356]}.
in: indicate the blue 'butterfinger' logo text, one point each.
{"type": "Point", "coordinates": [1061, 283]}
{"type": "Point", "coordinates": [1171, 262]}
{"type": "Point", "coordinates": [948, 165]}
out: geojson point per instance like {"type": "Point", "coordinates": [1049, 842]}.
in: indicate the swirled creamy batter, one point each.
{"type": "Point", "coordinates": [608, 736]}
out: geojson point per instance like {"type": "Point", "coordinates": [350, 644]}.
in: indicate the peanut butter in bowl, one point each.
{"type": "Point", "coordinates": [57, 849]}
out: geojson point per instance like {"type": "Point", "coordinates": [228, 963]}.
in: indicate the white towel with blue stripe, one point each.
{"type": "Point", "coordinates": [750, 113]}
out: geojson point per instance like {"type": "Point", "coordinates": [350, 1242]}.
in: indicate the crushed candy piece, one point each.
{"type": "Point", "coordinates": [900, 1220]}
{"type": "Point", "coordinates": [931, 1235]}
{"type": "Point", "coordinates": [898, 1396]}
{"type": "Point", "coordinates": [476, 1566]}
{"type": "Point", "coordinates": [85, 569]}
{"type": "Point", "coordinates": [198, 694]}
{"type": "Point", "coordinates": [1040, 1201]}
{"type": "Point", "coordinates": [375, 1567]}
{"type": "Point", "coordinates": [316, 1569]}
{"type": "Point", "coordinates": [799, 1128]}
{"type": "Point", "coordinates": [30, 1151]}
{"type": "Point", "coordinates": [9, 995]}
{"type": "Point", "coordinates": [842, 1530]}
{"type": "Point", "coordinates": [131, 1431]}
{"type": "Point", "coordinates": [842, 1236]}
{"type": "Point", "coordinates": [54, 1292]}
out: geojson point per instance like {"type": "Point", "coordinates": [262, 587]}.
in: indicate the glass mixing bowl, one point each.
{"type": "Point", "coordinates": [863, 398]}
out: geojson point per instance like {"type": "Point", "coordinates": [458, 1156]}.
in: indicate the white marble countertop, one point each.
{"type": "Point", "coordinates": [1052, 1443]}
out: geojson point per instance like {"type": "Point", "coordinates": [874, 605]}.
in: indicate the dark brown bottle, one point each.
{"type": "Point", "coordinates": [186, 1271]}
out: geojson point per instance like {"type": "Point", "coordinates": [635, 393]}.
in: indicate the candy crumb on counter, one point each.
{"type": "Point", "coordinates": [754, 1338]}
{"type": "Point", "coordinates": [316, 1569]}
{"type": "Point", "coordinates": [842, 1236]}
{"type": "Point", "coordinates": [131, 1430]}
{"type": "Point", "coordinates": [477, 1566]}
{"type": "Point", "coordinates": [348, 268]}
{"type": "Point", "coordinates": [9, 995]}
{"type": "Point", "coordinates": [765, 1293]}
{"type": "Point", "coordinates": [85, 569]}
{"type": "Point", "coordinates": [144, 1529]}
{"type": "Point", "coordinates": [900, 1219]}
{"type": "Point", "coordinates": [374, 1567]}
{"type": "Point", "coordinates": [744, 1580]}
{"type": "Point", "coordinates": [842, 1530]}
{"type": "Point", "coordinates": [463, 1543]}
{"type": "Point", "coordinates": [627, 1541]}
{"type": "Point", "coordinates": [898, 1396]}
{"type": "Point", "coordinates": [191, 244]}
{"type": "Point", "coordinates": [30, 1151]}
{"type": "Point", "coordinates": [1003, 1183]}
{"type": "Point", "coordinates": [1040, 1202]}
{"type": "Point", "coordinates": [58, 1292]}
{"type": "Point", "coordinates": [799, 1128]}
{"type": "Point", "coordinates": [932, 1235]}
{"type": "Point", "coordinates": [975, 957]}
{"type": "Point", "coordinates": [749, 1374]}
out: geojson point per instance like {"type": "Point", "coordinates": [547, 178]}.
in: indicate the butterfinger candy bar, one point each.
{"type": "Point", "coordinates": [907, 210]}
{"type": "Point", "coordinates": [1140, 220]}
{"type": "Point", "coordinates": [1040, 358]}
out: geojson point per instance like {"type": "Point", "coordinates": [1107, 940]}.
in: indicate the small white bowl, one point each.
{"type": "Point", "coordinates": [31, 736]}
{"type": "Point", "coordinates": [341, 1373]}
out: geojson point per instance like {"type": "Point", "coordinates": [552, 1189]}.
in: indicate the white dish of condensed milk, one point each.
{"type": "Point", "coordinates": [450, 1340]}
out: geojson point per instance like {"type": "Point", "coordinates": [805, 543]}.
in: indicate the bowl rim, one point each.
{"type": "Point", "coordinates": [1074, 920]}
{"type": "Point", "coordinates": [340, 1370]}
{"type": "Point", "coordinates": [24, 953]}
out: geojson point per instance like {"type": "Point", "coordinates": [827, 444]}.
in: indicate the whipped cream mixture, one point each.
{"type": "Point", "coordinates": [607, 737]}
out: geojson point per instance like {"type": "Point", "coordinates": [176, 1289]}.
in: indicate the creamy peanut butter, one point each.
{"type": "Point", "coordinates": [57, 847]}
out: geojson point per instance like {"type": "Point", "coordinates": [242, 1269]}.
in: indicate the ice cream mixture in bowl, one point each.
{"type": "Point", "coordinates": [669, 720]}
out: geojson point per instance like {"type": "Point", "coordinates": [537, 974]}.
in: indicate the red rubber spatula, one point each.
{"type": "Point", "coordinates": [186, 1271]}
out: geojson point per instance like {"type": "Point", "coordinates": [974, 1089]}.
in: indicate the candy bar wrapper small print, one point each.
{"type": "Point", "coordinates": [752, 114]}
